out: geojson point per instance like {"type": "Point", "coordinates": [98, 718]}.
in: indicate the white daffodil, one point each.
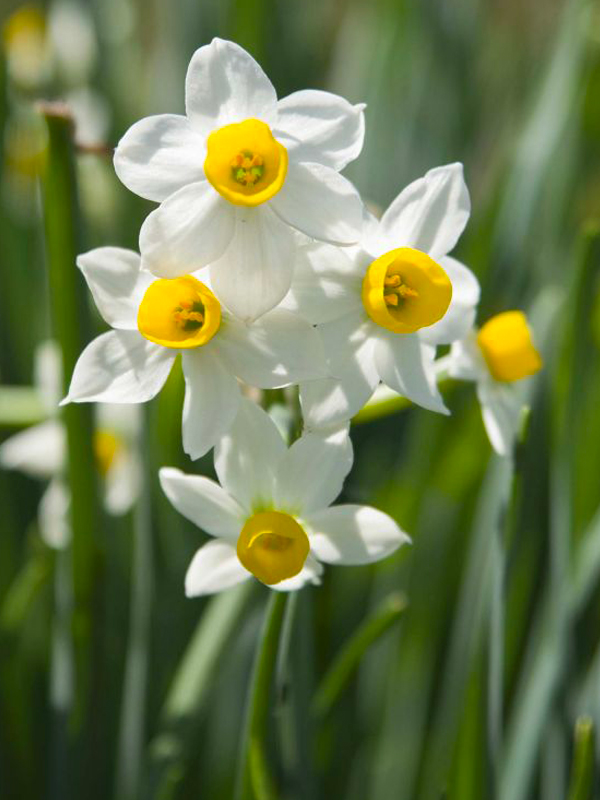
{"type": "Point", "coordinates": [40, 451]}
{"type": "Point", "coordinates": [155, 319]}
{"type": "Point", "coordinates": [270, 516]}
{"type": "Point", "coordinates": [497, 357]}
{"type": "Point", "coordinates": [382, 308]}
{"type": "Point", "coordinates": [239, 174]}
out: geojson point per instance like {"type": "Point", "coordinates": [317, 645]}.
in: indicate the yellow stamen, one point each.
{"type": "Point", "coordinates": [405, 290]}
{"type": "Point", "coordinates": [272, 546]}
{"type": "Point", "coordinates": [179, 313]}
{"type": "Point", "coordinates": [245, 163]}
{"type": "Point", "coordinates": [507, 346]}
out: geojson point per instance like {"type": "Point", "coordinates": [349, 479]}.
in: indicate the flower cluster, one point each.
{"type": "Point", "coordinates": [261, 267]}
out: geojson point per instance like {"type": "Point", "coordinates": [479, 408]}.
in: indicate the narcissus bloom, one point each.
{"type": "Point", "coordinates": [382, 308]}
{"type": "Point", "coordinates": [497, 358]}
{"type": "Point", "coordinates": [239, 174]}
{"type": "Point", "coordinates": [40, 451]}
{"type": "Point", "coordinates": [155, 319]}
{"type": "Point", "coordinates": [270, 516]}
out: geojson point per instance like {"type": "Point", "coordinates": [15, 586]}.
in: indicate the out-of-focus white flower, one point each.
{"type": "Point", "coordinates": [155, 319]}
{"type": "Point", "coordinates": [239, 175]}
{"type": "Point", "coordinates": [91, 113]}
{"type": "Point", "coordinates": [497, 357]}
{"type": "Point", "coordinates": [73, 41]}
{"type": "Point", "coordinates": [40, 451]}
{"type": "Point", "coordinates": [382, 308]}
{"type": "Point", "coordinates": [270, 516]}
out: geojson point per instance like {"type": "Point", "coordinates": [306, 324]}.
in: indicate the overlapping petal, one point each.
{"type": "Point", "coordinates": [407, 366]}
{"type": "Point", "coordinates": [320, 203]}
{"type": "Point", "coordinates": [310, 573]}
{"type": "Point", "coordinates": [224, 84]}
{"type": "Point", "coordinates": [351, 534]}
{"type": "Point", "coordinates": [247, 458]}
{"type": "Point", "coordinates": [326, 285]}
{"type": "Point", "coordinates": [501, 411]}
{"type": "Point", "coordinates": [116, 282]}
{"type": "Point", "coordinates": [256, 271]}
{"type": "Point", "coordinates": [192, 228]}
{"type": "Point", "coordinates": [214, 568]}
{"type": "Point", "coordinates": [460, 316]}
{"type": "Point", "coordinates": [312, 472]}
{"type": "Point", "coordinates": [211, 401]}
{"type": "Point", "coordinates": [429, 215]}
{"type": "Point", "coordinates": [278, 349]}
{"type": "Point", "coordinates": [160, 155]}
{"type": "Point", "coordinates": [119, 367]}
{"type": "Point", "coordinates": [321, 127]}
{"type": "Point", "coordinates": [203, 502]}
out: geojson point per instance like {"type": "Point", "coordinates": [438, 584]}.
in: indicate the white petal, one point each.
{"type": "Point", "coordinates": [247, 457]}
{"type": "Point", "coordinates": [38, 451]}
{"type": "Point", "coordinates": [310, 573]}
{"type": "Point", "coordinates": [501, 409]}
{"type": "Point", "coordinates": [120, 367]}
{"type": "Point", "coordinates": [430, 214]}
{"type": "Point", "coordinates": [211, 402]}
{"type": "Point", "coordinates": [312, 472]}
{"type": "Point", "coordinates": [256, 270]}
{"type": "Point", "coordinates": [327, 283]}
{"type": "Point", "coordinates": [203, 502]}
{"type": "Point", "coordinates": [465, 361]}
{"type": "Point", "coordinates": [350, 350]}
{"type": "Point", "coordinates": [320, 203]}
{"type": "Point", "coordinates": [214, 567]}
{"type": "Point", "coordinates": [459, 319]}
{"type": "Point", "coordinates": [116, 282]}
{"type": "Point", "coordinates": [322, 127]}
{"type": "Point", "coordinates": [160, 155]}
{"type": "Point", "coordinates": [53, 515]}
{"type": "Point", "coordinates": [123, 482]}
{"type": "Point", "coordinates": [278, 349]}
{"type": "Point", "coordinates": [407, 367]}
{"type": "Point", "coordinates": [224, 84]}
{"type": "Point", "coordinates": [354, 535]}
{"type": "Point", "coordinates": [185, 233]}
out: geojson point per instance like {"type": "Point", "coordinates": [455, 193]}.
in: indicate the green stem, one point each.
{"type": "Point", "coordinates": [582, 773]}
{"type": "Point", "coordinates": [253, 778]}
{"type": "Point", "coordinates": [71, 326]}
{"type": "Point", "coordinates": [133, 710]}
{"type": "Point", "coordinates": [340, 672]}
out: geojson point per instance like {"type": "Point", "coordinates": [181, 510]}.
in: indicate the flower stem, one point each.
{"type": "Point", "coordinates": [253, 778]}
{"type": "Point", "coordinates": [71, 326]}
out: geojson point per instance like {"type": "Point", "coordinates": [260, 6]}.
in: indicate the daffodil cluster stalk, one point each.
{"type": "Point", "coordinates": [70, 321]}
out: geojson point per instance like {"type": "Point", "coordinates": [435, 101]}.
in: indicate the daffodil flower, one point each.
{"type": "Point", "coordinates": [497, 357]}
{"type": "Point", "coordinates": [239, 174]}
{"type": "Point", "coordinates": [270, 516]}
{"type": "Point", "coordinates": [383, 307]}
{"type": "Point", "coordinates": [40, 451]}
{"type": "Point", "coordinates": [155, 319]}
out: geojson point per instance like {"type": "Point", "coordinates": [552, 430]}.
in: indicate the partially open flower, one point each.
{"type": "Point", "coordinates": [497, 358]}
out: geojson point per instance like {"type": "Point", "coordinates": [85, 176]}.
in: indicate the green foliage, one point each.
{"type": "Point", "coordinates": [486, 685]}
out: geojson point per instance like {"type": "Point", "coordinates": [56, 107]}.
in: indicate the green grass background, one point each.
{"type": "Point", "coordinates": [482, 687]}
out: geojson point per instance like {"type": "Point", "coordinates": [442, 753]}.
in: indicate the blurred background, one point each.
{"type": "Point", "coordinates": [468, 665]}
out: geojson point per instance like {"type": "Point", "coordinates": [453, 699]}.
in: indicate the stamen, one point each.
{"type": "Point", "coordinates": [391, 299]}
{"type": "Point", "coordinates": [247, 167]}
{"type": "Point", "coordinates": [397, 291]}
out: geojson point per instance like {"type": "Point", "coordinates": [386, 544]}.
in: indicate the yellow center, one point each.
{"type": "Point", "coordinates": [245, 163]}
{"type": "Point", "coordinates": [507, 346]}
{"type": "Point", "coordinates": [272, 546]}
{"type": "Point", "coordinates": [106, 447]}
{"type": "Point", "coordinates": [405, 290]}
{"type": "Point", "coordinates": [179, 312]}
